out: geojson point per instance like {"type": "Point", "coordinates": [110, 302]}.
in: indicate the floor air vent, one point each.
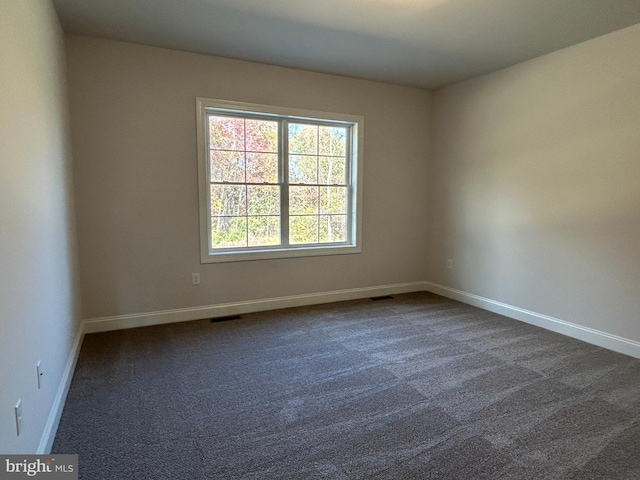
{"type": "Point", "coordinates": [381, 297]}
{"type": "Point", "coordinates": [225, 319]}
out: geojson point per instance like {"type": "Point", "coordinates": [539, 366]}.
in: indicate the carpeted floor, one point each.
{"type": "Point", "coordinates": [413, 387]}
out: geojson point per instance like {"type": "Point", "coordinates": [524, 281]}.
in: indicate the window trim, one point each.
{"type": "Point", "coordinates": [356, 122]}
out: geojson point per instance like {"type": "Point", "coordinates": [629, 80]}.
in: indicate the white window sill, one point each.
{"type": "Point", "coordinates": [266, 254]}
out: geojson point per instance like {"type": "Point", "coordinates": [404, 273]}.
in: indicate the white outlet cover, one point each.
{"type": "Point", "coordinates": [19, 417]}
{"type": "Point", "coordinates": [39, 372]}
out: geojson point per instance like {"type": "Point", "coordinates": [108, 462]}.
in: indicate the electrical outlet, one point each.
{"type": "Point", "coordinates": [19, 417]}
{"type": "Point", "coordinates": [195, 279]}
{"type": "Point", "coordinates": [449, 263]}
{"type": "Point", "coordinates": [39, 373]}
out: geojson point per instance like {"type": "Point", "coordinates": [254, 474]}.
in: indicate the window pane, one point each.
{"type": "Point", "coordinates": [262, 167]}
{"type": "Point", "coordinates": [333, 228]}
{"type": "Point", "coordinates": [333, 200]}
{"type": "Point", "coordinates": [333, 141]}
{"type": "Point", "coordinates": [264, 231]}
{"type": "Point", "coordinates": [228, 200]}
{"type": "Point", "coordinates": [303, 229]}
{"type": "Point", "coordinates": [303, 169]}
{"type": "Point", "coordinates": [227, 166]}
{"type": "Point", "coordinates": [303, 138]}
{"type": "Point", "coordinates": [303, 200]}
{"type": "Point", "coordinates": [262, 136]}
{"type": "Point", "coordinates": [263, 200]}
{"type": "Point", "coordinates": [332, 170]}
{"type": "Point", "coordinates": [226, 133]}
{"type": "Point", "coordinates": [228, 232]}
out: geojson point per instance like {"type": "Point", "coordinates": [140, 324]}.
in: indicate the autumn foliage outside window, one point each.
{"type": "Point", "coordinates": [278, 182]}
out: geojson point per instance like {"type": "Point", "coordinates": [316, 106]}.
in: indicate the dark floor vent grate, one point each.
{"type": "Point", "coordinates": [225, 319]}
{"type": "Point", "coordinates": [381, 297]}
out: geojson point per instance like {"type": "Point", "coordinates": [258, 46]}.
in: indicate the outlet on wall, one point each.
{"type": "Point", "coordinates": [449, 263]}
{"type": "Point", "coordinates": [39, 373]}
{"type": "Point", "coordinates": [195, 279]}
{"type": "Point", "coordinates": [18, 411]}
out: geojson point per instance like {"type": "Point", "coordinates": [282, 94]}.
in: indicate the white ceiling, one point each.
{"type": "Point", "coordinates": [426, 43]}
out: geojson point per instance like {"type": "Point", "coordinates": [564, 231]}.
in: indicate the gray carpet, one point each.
{"type": "Point", "coordinates": [413, 387]}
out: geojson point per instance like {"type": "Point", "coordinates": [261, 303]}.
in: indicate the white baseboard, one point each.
{"type": "Point", "coordinates": [51, 427]}
{"type": "Point", "coordinates": [586, 334]}
{"type": "Point", "coordinates": [211, 311]}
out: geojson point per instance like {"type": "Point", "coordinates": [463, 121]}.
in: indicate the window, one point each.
{"type": "Point", "coordinates": [277, 182]}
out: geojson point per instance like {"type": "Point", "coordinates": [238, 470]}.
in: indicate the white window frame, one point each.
{"type": "Point", "coordinates": [353, 245]}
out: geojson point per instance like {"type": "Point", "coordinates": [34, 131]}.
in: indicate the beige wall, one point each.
{"type": "Point", "coordinates": [38, 297]}
{"type": "Point", "coordinates": [535, 185]}
{"type": "Point", "coordinates": [134, 147]}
